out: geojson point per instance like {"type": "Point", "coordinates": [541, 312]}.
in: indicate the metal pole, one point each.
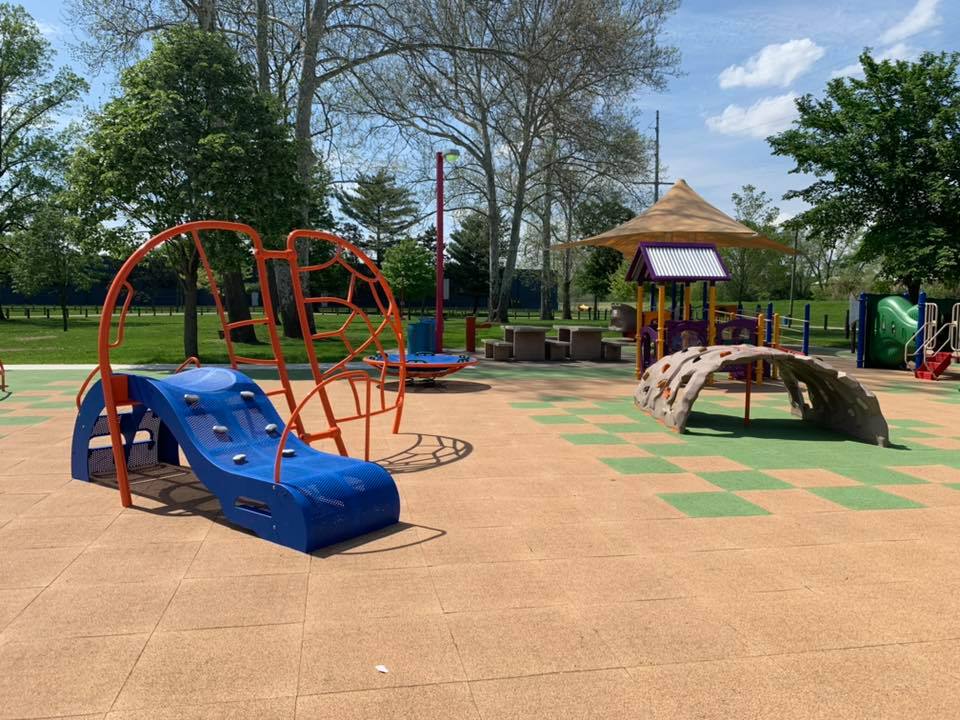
{"type": "Point", "coordinates": [656, 160]}
{"type": "Point", "coordinates": [793, 273]}
{"type": "Point", "coordinates": [806, 329]}
{"type": "Point", "coordinates": [438, 342]}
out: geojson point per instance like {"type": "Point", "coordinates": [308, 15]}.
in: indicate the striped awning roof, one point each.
{"type": "Point", "coordinates": [669, 262]}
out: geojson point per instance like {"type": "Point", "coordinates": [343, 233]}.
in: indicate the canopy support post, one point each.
{"type": "Point", "coordinates": [661, 319]}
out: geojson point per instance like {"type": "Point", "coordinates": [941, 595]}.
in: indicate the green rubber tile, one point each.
{"type": "Point", "coordinates": [51, 405]}
{"type": "Point", "coordinates": [557, 419]}
{"type": "Point", "coordinates": [877, 475]}
{"type": "Point", "coordinates": [641, 465]}
{"type": "Point", "coordinates": [737, 480]}
{"type": "Point", "coordinates": [954, 486]}
{"type": "Point", "coordinates": [23, 419]}
{"type": "Point", "coordinates": [685, 449]}
{"type": "Point", "coordinates": [590, 411]}
{"type": "Point", "coordinates": [623, 427]}
{"type": "Point", "coordinates": [560, 398]}
{"type": "Point", "coordinates": [910, 423]}
{"type": "Point", "coordinates": [864, 498]}
{"type": "Point", "coordinates": [712, 504]}
{"type": "Point", "coordinates": [531, 405]}
{"type": "Point", "coordinates": [593, 439]}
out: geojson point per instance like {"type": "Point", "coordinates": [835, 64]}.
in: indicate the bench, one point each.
{"type": "Point", "coordinates": [497, 349]}
{"type": "Point", "coordinates": [556, 349]}
{"type": "Point", "coordinates": [612, 348]}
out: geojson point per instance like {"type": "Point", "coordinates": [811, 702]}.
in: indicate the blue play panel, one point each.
{"type": "Point", "coordinates": [423, 365]}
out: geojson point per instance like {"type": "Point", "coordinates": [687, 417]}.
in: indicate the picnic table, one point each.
{"type": "Point", "coordinates": [585, 340]}
{"type": "Point", "coordinates": [529, 341]}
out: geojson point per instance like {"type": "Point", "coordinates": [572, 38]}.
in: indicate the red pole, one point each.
{"type": "Point", "coordinates": [439, 307]}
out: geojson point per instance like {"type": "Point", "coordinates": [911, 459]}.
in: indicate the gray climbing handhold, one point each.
{"type": "Point", "coordinates": [271, 428]}
{"type": "Point", "coordinates": [289, 452]}
{"type": "Point", "coordinates": [246, 394]}
{"type": "Point", "coordinates": [240, 458]}
{"type": "Point", "coordinates": [191, 399]}
{"type": "Point", "coordinates": [220, 429]}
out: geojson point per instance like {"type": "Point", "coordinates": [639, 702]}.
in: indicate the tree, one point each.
{"type": "Point", "coordinates": [32, 99]}
{"type": "Point", "coordinates": [408, 268]}
{"type": "Point", "coordinates": [753, 272]}
{"type": "Point", "coordinates": [469, 257]}
{"type": "Point", "coordinates": [498, 106]}
{"type": "Point", "coordinates": [885, 151]}
{"type": "Point", "coordinates": [382, 208]}
{"type": "Point", "coordinates": [595, 275]}
{"type": "Point", "coordinates": [50, 256]}
{"type": "Point", "coordinates": [190, 137]}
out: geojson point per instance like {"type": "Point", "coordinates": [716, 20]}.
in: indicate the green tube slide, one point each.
{"type": "Point", "coordinates": [894, 323]}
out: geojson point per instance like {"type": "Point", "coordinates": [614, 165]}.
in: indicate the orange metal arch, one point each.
{"type": "Point", "coordinates": [390, 326]}
{"type": "Point", "coordinates": [114, 389]}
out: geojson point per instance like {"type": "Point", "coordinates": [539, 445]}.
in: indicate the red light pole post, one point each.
{"type": "Point", "coordinates": [438, 343]}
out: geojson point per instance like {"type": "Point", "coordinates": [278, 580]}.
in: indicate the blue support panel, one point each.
{"type": "Point", "coordinates": [918, 358]}
{"type": "Point", "coordinates": [769, 338]}
{"type": "Point", "coordinates": [862, 330]}
{"type": "Point", "coordinates": [806, 329]}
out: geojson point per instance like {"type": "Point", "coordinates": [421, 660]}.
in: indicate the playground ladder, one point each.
{"type": "Point", "coordinates": [936, 358]}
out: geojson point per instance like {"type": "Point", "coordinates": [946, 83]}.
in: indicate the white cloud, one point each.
{"type": "Point", "coordinates": [922, 17]}
{"type": "Point", "coordinates": [47, 29]}
{"type": "Point", "coordinates": [765, 117]}
{"type": "Point", "coordinates": [777, 64]}
{"type": "Point", "coordinates": [900, 51]}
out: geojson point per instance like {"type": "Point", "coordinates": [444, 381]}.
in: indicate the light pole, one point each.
{"type": "Point", "coordinates": [450, 156]}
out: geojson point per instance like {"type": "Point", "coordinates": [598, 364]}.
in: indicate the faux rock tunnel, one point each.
{"type": "Point", "coordinates": [837, 401]}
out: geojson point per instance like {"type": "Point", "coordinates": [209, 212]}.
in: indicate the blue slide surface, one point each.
{"type": "Point", "coordinates": [229, 432]}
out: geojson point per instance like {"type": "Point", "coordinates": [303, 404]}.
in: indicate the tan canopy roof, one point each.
{"type": "Point", "coordinates": [681, 216]}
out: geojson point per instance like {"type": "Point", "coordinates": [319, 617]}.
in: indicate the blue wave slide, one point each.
{"type": "Point", "coordinates": [229, 432]}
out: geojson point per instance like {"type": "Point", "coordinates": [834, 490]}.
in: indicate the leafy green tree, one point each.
{"type": "Point", "coordinates": [885, 151]}
{"type": "Point", "coordinates": [754, 273]}
{"type": "Point", "coordinates": [409, 268]}
{"type": "Point", "coordinates": [469, 263]}
{"type": "Point", "coordinates": [50, 256]}
{"type": "Point", "coordinates": [595, 274]}
{"type": "Point", "coordinates": [32, 99]}
{"type": "Point", "coordinates": [382, 208]}
{"type": "Point", "coordinates": [191, 138]}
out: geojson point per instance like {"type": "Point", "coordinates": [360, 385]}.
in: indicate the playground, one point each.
{"type": "Point", "coordinates": [440, 535]}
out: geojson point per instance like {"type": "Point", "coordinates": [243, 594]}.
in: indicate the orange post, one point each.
{"type": "Point", "coordinates": [638, 327]}
{"type": "Point", "coordinates": [761, 329]}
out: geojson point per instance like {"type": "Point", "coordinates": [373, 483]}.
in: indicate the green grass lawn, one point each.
{"type": "Point", "coordinates": [158, 339]}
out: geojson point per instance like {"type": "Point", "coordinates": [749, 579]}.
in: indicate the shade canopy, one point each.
{"type": "Point", "coordinates": [684, 262]}
{"type": "Point", "coordinates": [681, 216]}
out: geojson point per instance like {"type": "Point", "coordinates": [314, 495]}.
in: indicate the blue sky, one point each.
{"type": "Point", "coordinates": [743, 61]}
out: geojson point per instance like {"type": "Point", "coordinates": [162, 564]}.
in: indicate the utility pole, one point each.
{"type": "Point", "coordinates": [656, 160]}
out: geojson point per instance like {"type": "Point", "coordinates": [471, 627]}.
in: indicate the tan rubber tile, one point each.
{"type": "Point", "coordinates": [451, 701]}
{"type": "Point", "coordinates": [14, 504]}
{"type": "Point", "coordinates": [39, 532]}
{"type": "Point", "coordinates": [715, 690]}
{"type": "Point", "coordinates": [370, 594]}
{"type": "Point", "coordinates": [867, 563]}
{"type": "Point", "coordinates": [13, 601]}
{"type": "Point", "coordinates": [649, 484]}
{"type": "Point", "coordinates": [280, 709]}
{"type": "Point", "coordinates": [398, 547]}
{"type": "Point", "coordinates": [812, 477]}
{"type": "Point", "coordinates": [68, 610]}
{"type": "Point", "coordinates": [28, 482]}
{"type": "Point", "coordinates": [64, 676]}
{"type": "Point", "coordinates": [790, 621]}
{"type": "Point", "coordinates": [659, 632]}
{"type": "Point", "coordinates": [704, 463]}
{"type": "Point", "coordinates": [726, 572]}
{"type": "Point", "coordinates": [940, 443]}
{"type": "Point", "coordinates": [645, 537]}
{"type": "Point", "coordinates": [139, 563]}
{"type": "Point", "coordinates": [214, 665]}
{"type": "Point", "coordinates": [930, 495]}
{"type": "Point", "coordinates": [137, 528]}
{"type": "Point", "coordinates": [34, 567]}
{"type": "Point", "coordinates": [493, 586]}
{"type": "Point", "coordinates": [624, 507]}
{"type": "Point", "coordinates": [931, 473]}
{"type": "Point", "coordinates": [617, 579]}
{"type": "Point", "coordinates": [344, 656]}
{"type": "Point", "coordinates": [236, 601]}
{"type": "Point", "coordinates": [528, 641]}
{"type": "Point", "coordinates": [789, 502]}
{"type": "Point", "coordinates": [581, 540]}
{"type": "Point", "coordinates": [593, 695]}
{"type": "Point", "coordinates": [477, 545]}
{"type": "Point", "coordinates": [765, 531]}
{"type": "Point", "coordinates": [878, 682]}
{"type": "Point", "coordinates": [246, 556]}
{"type": "Point", "coordinates": [78, 499]}
{"type": "Point", "coordinates": [656, 438]}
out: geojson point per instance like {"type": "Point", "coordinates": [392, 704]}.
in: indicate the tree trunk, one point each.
{"type": "Point", "coordinates": [238, 306]}
{"type": "Point", "coordinates": [64, 310]}
{"type": "Point", "coordinates": [546, 272]}
{"type": "Point", "coordinates": [188, 282]}
{"type": "Point", "coordinates": [567, 282]}
{"type": "Point", "coordinates": [207, 15]}
{"type": "Point", "coordinates": [516, 225]}
{"type": "Point", "coordinates": [3, 315]}
{"type": "Point", "coordinates": [286, 306]}
{"type": "Point", "coordinates": [263, 67]}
